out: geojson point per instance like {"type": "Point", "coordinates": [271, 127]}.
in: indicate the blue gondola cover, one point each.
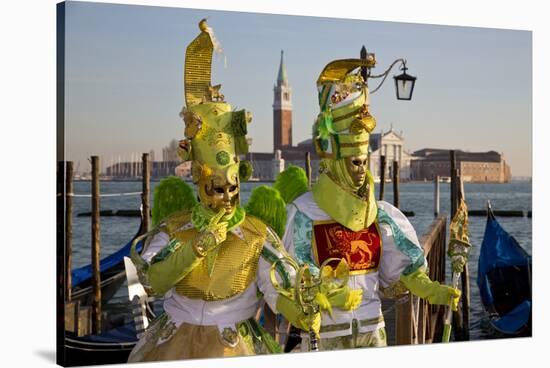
{"type": "Point", "coordinates": [79, 275]}
{"type": "Point", "coordinates": [504, 279]}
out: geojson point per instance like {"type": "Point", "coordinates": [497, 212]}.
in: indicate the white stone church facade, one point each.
{"type": "Point", "coordinates": [389, 144]}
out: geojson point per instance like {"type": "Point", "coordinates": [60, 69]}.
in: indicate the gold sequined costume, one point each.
{"type": "Point", "coordinates": [211, 263]}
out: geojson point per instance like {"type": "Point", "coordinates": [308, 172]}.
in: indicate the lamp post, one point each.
{"type": "Point", "coordinates": [404, 83]}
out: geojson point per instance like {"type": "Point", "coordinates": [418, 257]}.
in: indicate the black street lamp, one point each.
{"type": "Point", "coordinates": [404, 83]}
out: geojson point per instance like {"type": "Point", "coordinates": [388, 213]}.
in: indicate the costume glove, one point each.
{"type": "Point", "coordinates": [212, 235]}
{"type": "Point", "coordinates": [420, 285]}
{"type": "Point", "coordinates": [294, 313]}
{"type": "Point", "coordinates": [345, 298]}
{"type": "Point", "coordinates": [335, 290]}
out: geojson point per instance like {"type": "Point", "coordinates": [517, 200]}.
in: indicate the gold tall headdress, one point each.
{"type": "Point", "coordinates": [214, 134]}
{"type": "Point", "coordinates": [342, 129]}
{"type": "Point", "coordinates": [343, 126]}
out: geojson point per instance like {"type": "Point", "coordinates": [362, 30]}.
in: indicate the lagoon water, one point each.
{"type": "Point", "coordinates": [417, 197]}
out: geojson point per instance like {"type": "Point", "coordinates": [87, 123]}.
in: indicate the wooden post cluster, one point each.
{"type": "Point", "coordinates": [382, 175]}
{"type": "Point", "coordinates": [96, 248]}
{"type": "Point", "coordinates": [74, 310]}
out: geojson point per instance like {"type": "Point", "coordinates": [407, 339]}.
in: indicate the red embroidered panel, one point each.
{"type": "Point", "coordinates": [361, 249]}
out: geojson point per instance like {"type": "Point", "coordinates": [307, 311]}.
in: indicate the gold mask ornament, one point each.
{"type": "Point", "coordinates": [217, 193]}
{"type": "Point", "coordinates": [357, 167]}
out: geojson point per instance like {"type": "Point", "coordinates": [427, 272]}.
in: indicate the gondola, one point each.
{"type": "Point", "coordinates": [117, 341]}
{"type": "Point", "coordinates": [112, 274]}
{"type": "Point", "coordinates": [504, 280]}
{"type": "Point", "coordinates": [111, 347]}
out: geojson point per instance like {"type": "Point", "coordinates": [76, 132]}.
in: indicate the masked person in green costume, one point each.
{"type": "Point", "coordinates": [211, 260]}
{"type": "Point", "coordinates": [340, 218]}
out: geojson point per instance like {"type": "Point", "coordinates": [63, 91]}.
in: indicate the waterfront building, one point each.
{"type": "Point", "coordinates": [159, 169]}
{"type": "Point", "coordinates": [478, 167]}
{"type": "Point", "coordinates": [389, 144]}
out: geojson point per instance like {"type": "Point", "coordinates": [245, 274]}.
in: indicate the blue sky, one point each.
{"type": "Point", "coordinates": [124, 78]}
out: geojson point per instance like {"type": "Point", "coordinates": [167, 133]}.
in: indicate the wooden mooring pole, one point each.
{"type": "Point", "coordinates": [457, 315]}
{"type": "Point", "coordinates": [465, 280]}
{"type": "Point", "coordinates": [436, 196]}
{"type": "Point", "coordinates": [69, 192]}
{"type": "Point", "coordinates": [60, 261]}
{"type": "Point", "coordinates": [308, 169]}
{"type": "Point", "coordinates": [453, 182]}
{"type": "Point", "coordinates": [382, 175]}
{"type": "Point", "coordinates": [404, 334]}
{"type": "Point", "coordinates": [465, 275]}
{"type": "Point", "coordinates": [96, 249]}
{"type": "Point", "coordinates": [145, 192]}
{"type": "Point", "coordinates": [461, 318]}
{"type": "Point", "coordinates": [395, 173]}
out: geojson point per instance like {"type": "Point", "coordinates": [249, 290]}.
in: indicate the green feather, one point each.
{"type": "Point", "coordinates": [266, 204]}
{"type": "Point", "coordinates": [291, 183]}
{"type": "Point", "coordinates": [245, 170]}
{"type": "Point", "coordinates": [325, 126]}
{"type": "Point", "coordinates": [171, 195]}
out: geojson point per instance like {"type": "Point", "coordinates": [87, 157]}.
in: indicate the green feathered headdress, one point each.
{"type": "Point", "coordinates": [171, 195]}
{"type": "Point", "coordinates": [291, 183]}
{"type": "Point", "coordinates": [269, 203]}
{"type": "Point", "coordinates": [266, 204]}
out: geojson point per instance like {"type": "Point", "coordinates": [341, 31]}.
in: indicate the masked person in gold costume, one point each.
{"type": "Point", "coordinates": [212, 261]}
{"type": "Point", "coordinates": [340, 218]}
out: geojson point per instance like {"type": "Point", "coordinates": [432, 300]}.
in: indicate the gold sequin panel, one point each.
{"type": "Point", "coordinates": [197, 73]}
{"type": "Point", "coordinates": [235, 265]}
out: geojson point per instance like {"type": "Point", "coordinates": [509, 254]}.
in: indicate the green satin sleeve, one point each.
{"type": "Point", "coordinates": [165, 273]}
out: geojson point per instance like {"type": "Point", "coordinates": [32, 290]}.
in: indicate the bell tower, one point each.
{"type": "Point", "coordinates": [282, 110]}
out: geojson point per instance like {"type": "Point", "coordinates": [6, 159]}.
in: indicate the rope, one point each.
{"type": "Point", "coordinates": [102, 195]}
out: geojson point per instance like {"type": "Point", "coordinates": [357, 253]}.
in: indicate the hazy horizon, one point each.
{"type": "Point", "coordinates": [124, 78]}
